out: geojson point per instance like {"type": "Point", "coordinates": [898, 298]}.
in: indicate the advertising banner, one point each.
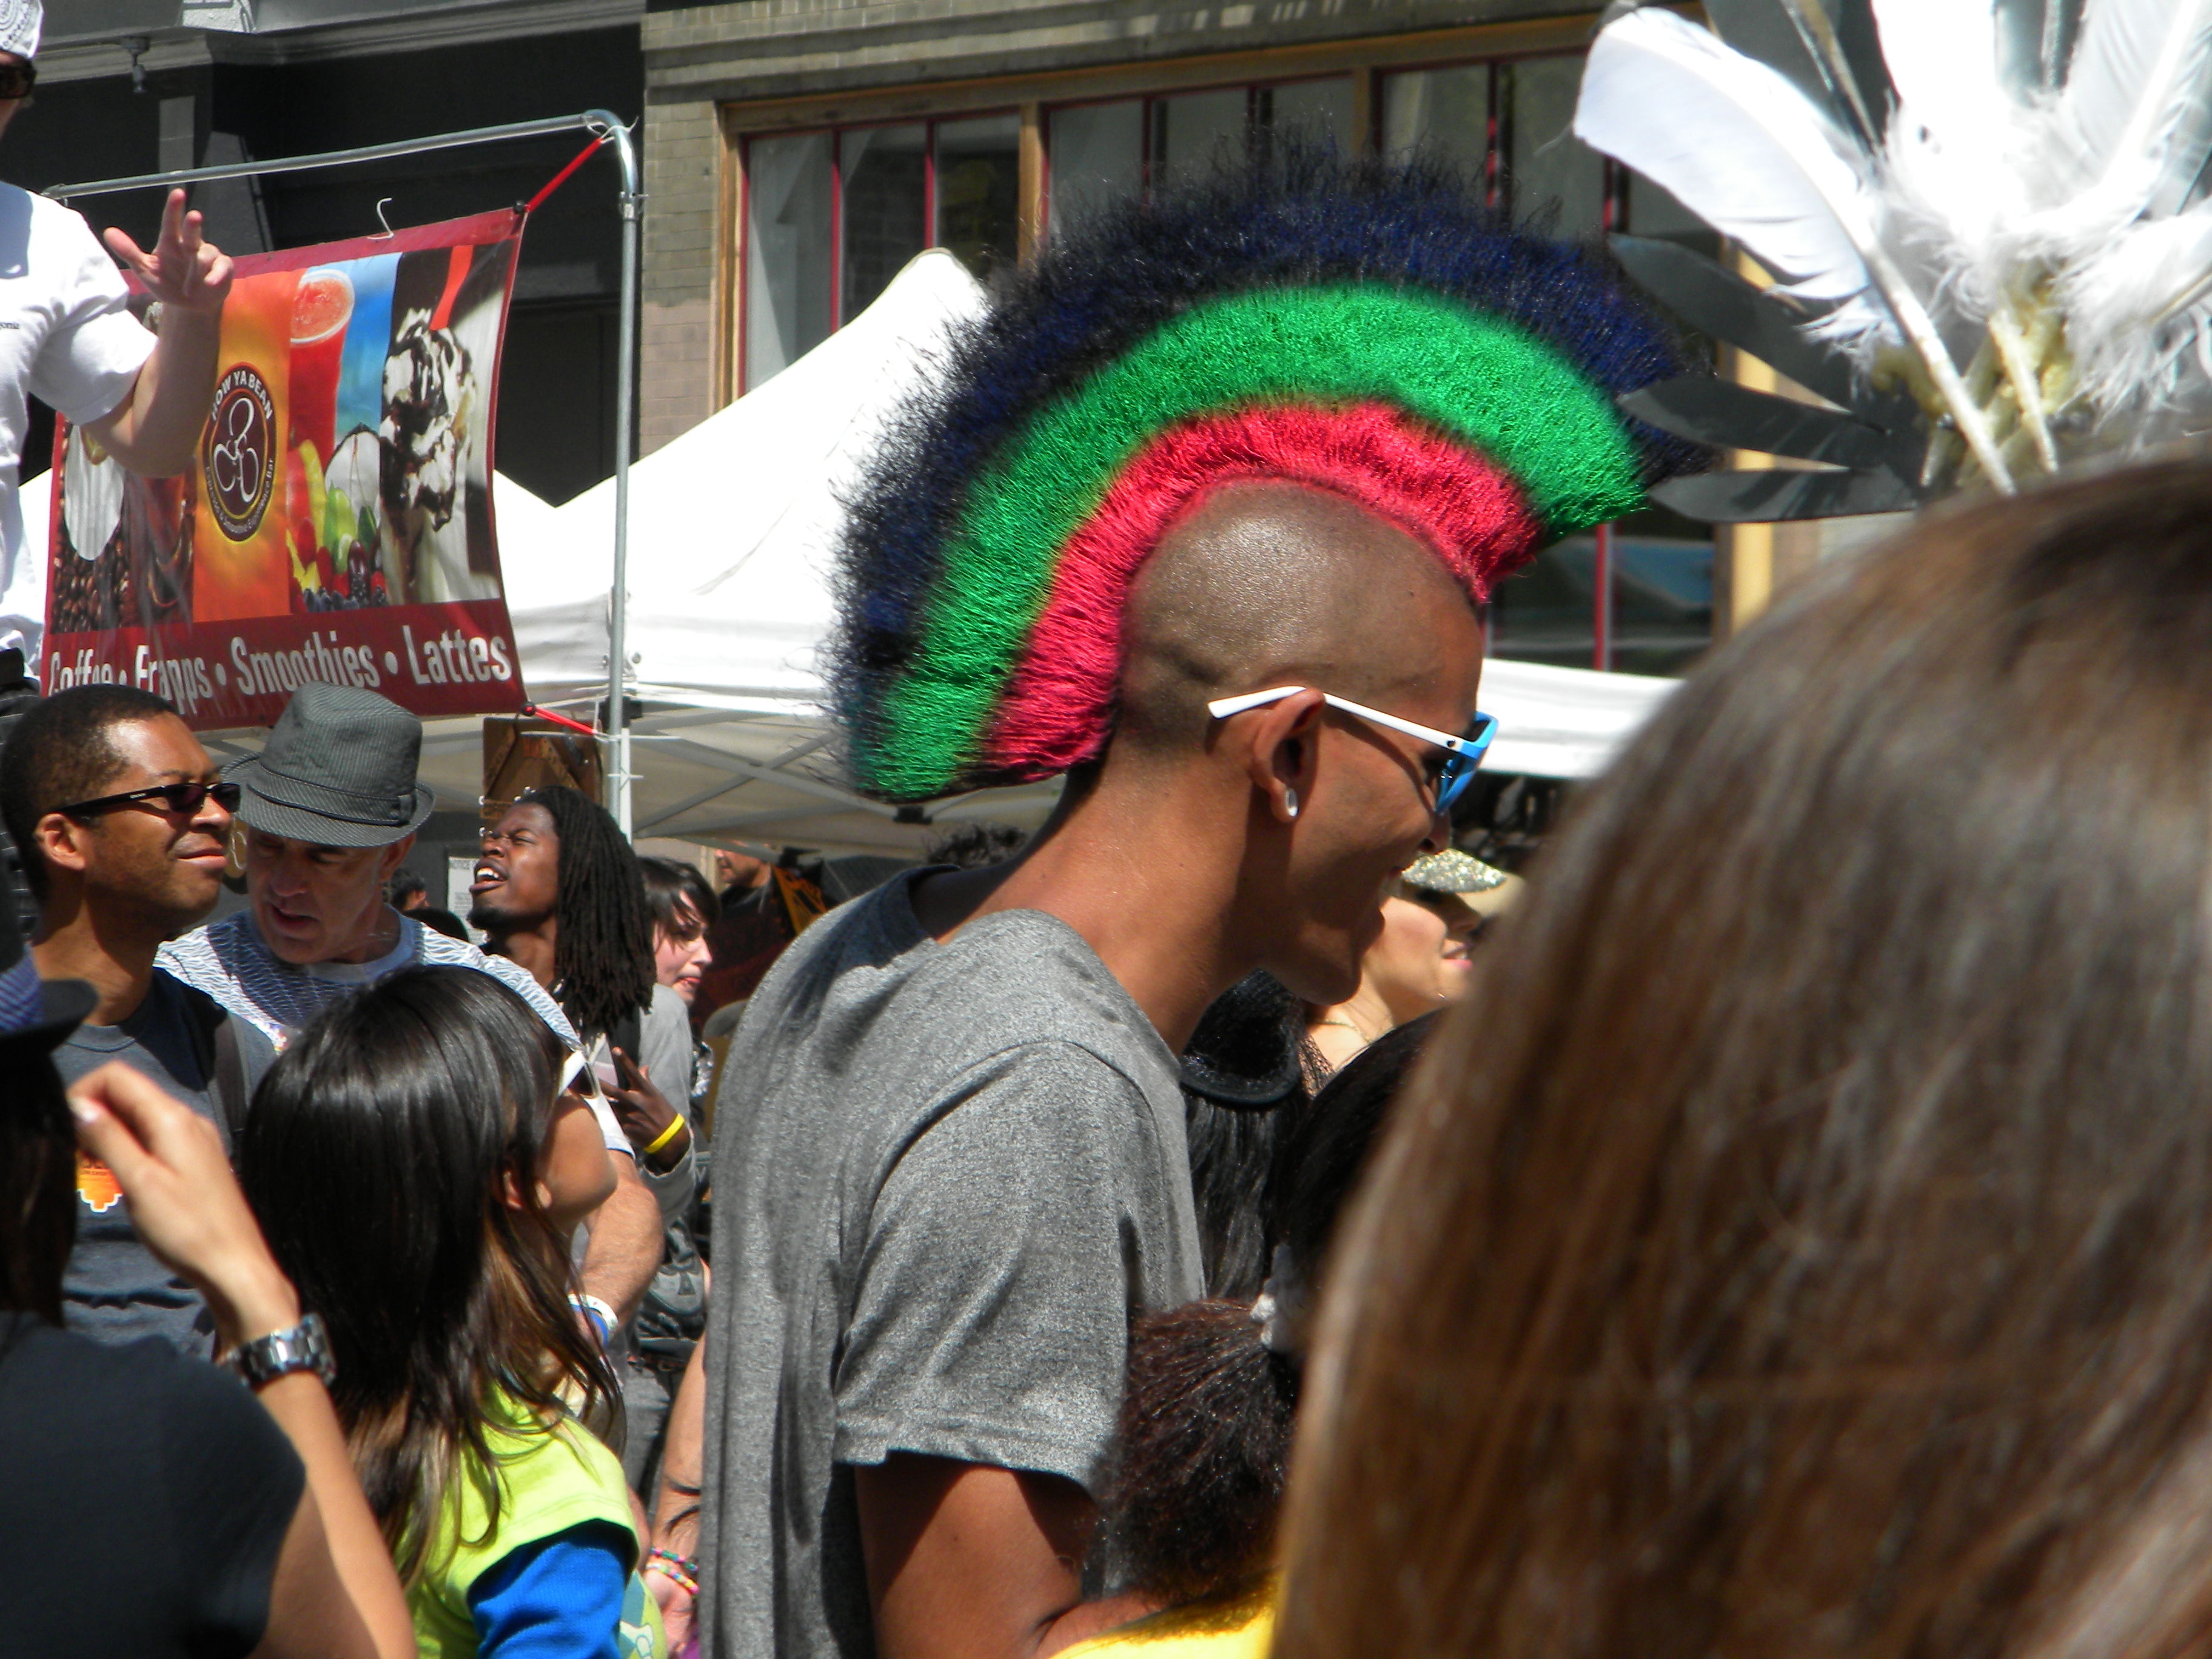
{"type": "Point", "coordinates": [337, 524]}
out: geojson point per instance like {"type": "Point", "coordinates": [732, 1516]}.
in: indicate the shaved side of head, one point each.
{"type": "Point", "coordinates": [1278, 583]}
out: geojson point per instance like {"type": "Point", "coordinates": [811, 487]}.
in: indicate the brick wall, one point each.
{"type": "Point", "coordinates": [777, 48]}
{"type": "Point", "coordinates": [676, 387]}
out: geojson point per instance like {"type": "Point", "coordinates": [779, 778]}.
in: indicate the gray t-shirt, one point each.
{"type": "Point", "coordinates": [946, 1175]}
{"type": "Point", "coordinates": [114, 1289]}
{"type": "Point", "coordinates": [664, 1047]}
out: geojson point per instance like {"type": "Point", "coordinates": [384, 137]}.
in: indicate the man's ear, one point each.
{"type": "Point", "coordinates": [62, 841]}
{"type": "Point", "coordinates": [1285, 752]}
{"type": "Point", "coordinates": [394, 855]}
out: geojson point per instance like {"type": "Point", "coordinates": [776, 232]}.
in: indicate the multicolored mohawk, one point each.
{"type": "Point", "coordinates": [1362, 328]}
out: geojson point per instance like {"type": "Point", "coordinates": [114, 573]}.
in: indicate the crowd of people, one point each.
{"type": "Point", "coordinates": [1232, 1218]}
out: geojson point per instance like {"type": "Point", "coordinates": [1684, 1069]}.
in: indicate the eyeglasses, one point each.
{"type": "Point", "coordinates": [182, 799]}
{"type": "Point", "coordinates": [1466, 753]}
{"type": "Point", "coordinates": [16, 80]}
{"type": "Point", "coordinates": [570, 1069]}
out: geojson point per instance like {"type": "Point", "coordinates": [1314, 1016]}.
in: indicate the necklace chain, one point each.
{"type": "Point", "coordinates": [1349, 1026]}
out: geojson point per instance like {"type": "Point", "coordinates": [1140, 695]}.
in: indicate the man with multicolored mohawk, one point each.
{"type": "Point", "coordinates": [1201, 515]}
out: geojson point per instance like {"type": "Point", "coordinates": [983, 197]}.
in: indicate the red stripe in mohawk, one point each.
{"type": "Point", "coordinates": [1059, 704]}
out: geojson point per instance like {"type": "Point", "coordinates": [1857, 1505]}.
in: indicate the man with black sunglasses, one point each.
{"type": "Point", "coordinates": [67, 335]}
{"type": "Point", "coordinates": [123, 819]}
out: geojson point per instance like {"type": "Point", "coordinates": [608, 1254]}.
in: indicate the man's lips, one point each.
{"type": "Point", "coordinates": [486, 876]}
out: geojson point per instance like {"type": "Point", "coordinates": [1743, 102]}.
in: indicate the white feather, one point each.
{"type": "Point", "coordinates": [1987, 199]}
{"type": "Point", "coordinates": [2134, 351]}
{"type": "Point", "coordinates": [1946, 186]}
{"type": "Point", "coordinates": [1942, 177]}
{"type": "Point", "coordinates": [1735, 142]}
{"type": "Point", "coordinates": [2127, 129]}
{"type": "Point", "coordinates": [1942, 59]}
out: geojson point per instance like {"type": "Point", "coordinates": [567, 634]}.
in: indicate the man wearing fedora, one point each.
{"type": "Point", "coordinates": [330, 806]}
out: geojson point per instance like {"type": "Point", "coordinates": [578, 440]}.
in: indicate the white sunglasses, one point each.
{"type": "Point", "coordinates": [1465, 752]}
{"type": "Point", "coordinates": [570, 1068]}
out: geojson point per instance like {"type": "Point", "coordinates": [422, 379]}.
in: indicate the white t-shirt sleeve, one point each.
{"type": "Point", "coordinates": [611, 1128]}
{"type": "Point", "coordinates": [94, 348]}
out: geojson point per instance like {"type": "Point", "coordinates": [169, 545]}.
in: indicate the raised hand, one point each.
{"type": "Point", "coordinates": [184, 272]}
{"type": "Point", "coordinates": [645, 1113]}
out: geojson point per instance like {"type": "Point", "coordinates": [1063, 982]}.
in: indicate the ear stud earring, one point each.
{"type": "Point", "coordinates": [1290, 802]}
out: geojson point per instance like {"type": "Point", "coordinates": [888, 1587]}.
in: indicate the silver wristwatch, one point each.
{"type": "Point", "coordinates": [305, 1347]}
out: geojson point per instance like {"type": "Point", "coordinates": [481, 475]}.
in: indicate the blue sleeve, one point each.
{"type": "Point", "coordinates": [557, 1598]}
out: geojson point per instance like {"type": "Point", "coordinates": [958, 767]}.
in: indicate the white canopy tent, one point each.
{"type": "Point", "coordinates": [731, 530]}
{"type": "Point", "coordinates": [732, 526]}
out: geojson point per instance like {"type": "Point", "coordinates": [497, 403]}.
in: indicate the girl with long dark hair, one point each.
{"type": "Point", "coordinates": [420, 1166]}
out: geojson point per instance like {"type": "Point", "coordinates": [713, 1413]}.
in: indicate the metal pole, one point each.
{"type": "Point", "coordinates": [611, 130]}
{"type": "Point", "coordinates": [1602, 600]}
{"type": "Point", "coordinates": [594, 118]}
{"type": "Point", "coordinates": [618, 722]}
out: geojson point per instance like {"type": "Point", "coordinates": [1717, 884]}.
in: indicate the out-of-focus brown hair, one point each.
{"type": "Point", "coordinates": [1801, 1246]}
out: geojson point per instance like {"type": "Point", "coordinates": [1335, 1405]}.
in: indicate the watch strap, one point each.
{"type": "Point", "coordinates": [305, 1347]}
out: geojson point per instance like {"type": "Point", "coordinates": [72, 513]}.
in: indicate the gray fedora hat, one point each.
{"type": "Point", "coordinates": [338, 771]}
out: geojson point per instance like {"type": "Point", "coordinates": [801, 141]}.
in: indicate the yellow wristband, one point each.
{"type": "Point", "coordinates": [665, 1136]}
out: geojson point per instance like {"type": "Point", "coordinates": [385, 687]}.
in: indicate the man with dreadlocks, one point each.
{"type": "Point", "coordinates": [558, 891]}
{"type": "Point", "coordinates": [330, 807]}
{"type": "Point", "coordinates": [1201, 515]}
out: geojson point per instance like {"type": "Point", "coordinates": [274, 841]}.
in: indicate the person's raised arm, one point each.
{"type": "Point", "coordinates": [966, 1561]}
{"type": "Point", "coordinates": [626, 1244]}
{"type": "Point", "coordinates": [335, 1591]}
{"type": "Point", "coordinates": [155, 430]}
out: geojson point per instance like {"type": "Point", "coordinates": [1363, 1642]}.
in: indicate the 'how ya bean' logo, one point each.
{"type": "Point", "coordinates": [240, 461]}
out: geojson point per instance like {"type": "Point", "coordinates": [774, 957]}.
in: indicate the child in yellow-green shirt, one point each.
{"type": "Point", "coordinates": [420, 1166]}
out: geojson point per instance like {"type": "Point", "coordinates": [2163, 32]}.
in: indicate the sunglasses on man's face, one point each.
{"type": "Point", "coordinates": [1463, 755]}
{"type": "Point", "coordinates": [185, 799]}
{"type": "Point", "coordinates": [16, 80]}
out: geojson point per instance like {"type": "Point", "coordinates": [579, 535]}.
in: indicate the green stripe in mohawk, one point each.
{"type": "Point", "coordinates": [1363, 328]}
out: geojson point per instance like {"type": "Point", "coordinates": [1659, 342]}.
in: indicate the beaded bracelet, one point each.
{"type": "Point", "coordinates": [680, 1570]}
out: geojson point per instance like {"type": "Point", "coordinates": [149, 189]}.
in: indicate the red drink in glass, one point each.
{"type": "Point", "coordinates": [322, 306]}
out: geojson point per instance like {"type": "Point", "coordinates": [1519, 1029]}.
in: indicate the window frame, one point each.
{"type": "Point", "coordinates": [1364, 57]}
{"type": "Point", "coordinates": [835, 133]}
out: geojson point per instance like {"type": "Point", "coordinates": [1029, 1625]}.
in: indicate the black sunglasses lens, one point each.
{"type": "Point", "coordinates": [16, 80]}
{"type": "Point", "coordinates": [188, 798]}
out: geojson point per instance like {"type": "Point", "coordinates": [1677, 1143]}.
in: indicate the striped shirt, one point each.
{"type": "Point", "coordinates": [229, 961]}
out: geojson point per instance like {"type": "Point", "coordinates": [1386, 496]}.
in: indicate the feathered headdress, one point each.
{"type": "Point", "coordinates": [1988, 220]}
{"type": "Point", "coordinates": [1364, 330]}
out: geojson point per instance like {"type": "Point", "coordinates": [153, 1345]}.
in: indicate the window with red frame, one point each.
{"type": "Point", "coordinates": [832, 216]}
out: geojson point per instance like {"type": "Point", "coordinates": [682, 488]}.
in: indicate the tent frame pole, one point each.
{"type": "Point", "coordinates": [612, 130]}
